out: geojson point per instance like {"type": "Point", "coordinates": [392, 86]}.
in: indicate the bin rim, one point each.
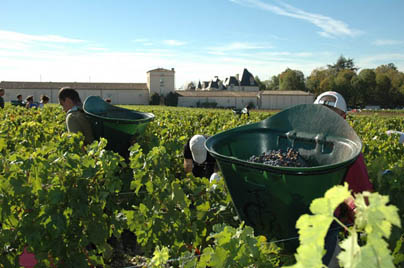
{"type": "Point", "coordinates": [148, 116]}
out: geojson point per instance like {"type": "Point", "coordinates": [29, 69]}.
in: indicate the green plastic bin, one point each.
{"type": "Point", "coordinates": [271, 199]}
{"type": "Point", "coordinates": [17, 103]}
{"type": "Point", "coordinates": [118, 125]}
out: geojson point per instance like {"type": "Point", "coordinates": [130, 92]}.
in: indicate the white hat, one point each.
{"type": "Point", "coordinates": [333, 99]}
{"type": "Point", "coordinates": [198, 150]}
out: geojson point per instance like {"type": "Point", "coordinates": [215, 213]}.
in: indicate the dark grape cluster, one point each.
{"type": "Point", "coordinates": [280, 158]}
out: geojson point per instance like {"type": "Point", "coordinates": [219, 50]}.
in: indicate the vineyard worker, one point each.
{"type": "Point", "coordinates": [246, 110]}
{"type": "Point", "coordinates": [197, 159]}
{"type": "Point", "coordinates": [29, 102]}
{"type": "Point", "coordinates": [19, 101]}
{"type": "Point", "coordinates": [44, 100]}
{"type": "Point", "coordinates": [357, 178]}
{"type": "Point", "coordinates": [76, 120]}
{"type": "Point", "coordinates": [1, 98]}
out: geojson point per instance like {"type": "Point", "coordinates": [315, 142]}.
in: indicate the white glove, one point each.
{"type": "Point", "coordinates": [214, 177]}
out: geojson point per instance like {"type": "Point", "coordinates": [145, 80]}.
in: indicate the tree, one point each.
{"type": "Point", "coordinates": [327, 84]}
{"type": "Point", "coordinates": [261, 85]}
{"type": "Point", "coordinates": [155, 99]}
{"type": "Point", "coordinates": [343, 64]}
{"type": "Point", "coordinates": [358, 92]}
{"type": "Point", "coordinates": [383, 88]}
{"type": "Point", "coordinates": [343, 84]}
{"type": "Point", "coordinates": [292, 80]}
{"type": "Point", "coordinates": [171, 99]}
{"type": "Point", "coordinates": [368, 78]}
{"type": "Point", "coordinates": [386, 68]}
{"type": "Point", "coordinates": [273, 84]}
{"type": "Point", "coordinates": [314, 80]}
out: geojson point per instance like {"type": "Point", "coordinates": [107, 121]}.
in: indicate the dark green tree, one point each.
{"type": "Point", "coordinates": [368, 79]}
{"type": "Point", "coordinates": [383, 90]}
{"type": "Point", "coordinates": [261, 85]}
{"type": "Point", "coordinates": [154, 99]}
{"type": "Point", "coordinates": [343, 64]}
{"type": "Point", "coordinates": [313, 82]}
{"type": "Point", "coordinates": [171, 99]}
{"type": "Point", "coordinates": [343, 84]}
{"type": "Point", "coordinates": [273, 84]}
{"type": "Point", "coordinates": [292, 80]}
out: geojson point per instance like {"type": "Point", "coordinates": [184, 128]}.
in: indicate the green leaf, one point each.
{"type": "Point", "coordinates": [219, 258]}
{"type": "Point", "coordinates": [350, 256]}
{"type": "Point", "coordinates": [177, 194]}
{"type": "Point", "coordinates": [160, 257]}
{"type": "Point", "coordinates": [333, 197]}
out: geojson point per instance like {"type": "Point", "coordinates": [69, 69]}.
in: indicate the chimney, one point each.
{"type": "Point", "coordinates": [238, 77]}
{"type": "Point", "coordinates": [172, 69]}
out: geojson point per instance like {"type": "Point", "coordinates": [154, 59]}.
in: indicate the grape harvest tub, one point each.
{"type": "Point", "coordinates": [270, 198]}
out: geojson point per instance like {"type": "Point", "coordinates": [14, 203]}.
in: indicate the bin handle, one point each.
{"type": "Point", "coordinates": [263, 186]}
{"type": "Point", "coordinates": [254, 183]}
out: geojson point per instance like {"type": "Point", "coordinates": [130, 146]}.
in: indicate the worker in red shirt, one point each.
{"type": "Point", "coordinates": [357, 178]}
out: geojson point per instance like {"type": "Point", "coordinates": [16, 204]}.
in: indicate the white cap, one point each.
{"type": "Point", "coordinates": [333, 99]}
{"type": "Point", "coordinates": [198, 150]}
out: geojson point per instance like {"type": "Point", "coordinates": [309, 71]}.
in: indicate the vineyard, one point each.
{"type": "Point", "coordinates": [76, 206]}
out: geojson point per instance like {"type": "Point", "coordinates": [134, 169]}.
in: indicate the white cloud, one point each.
{"type": "Point", "coordinates": [97, 48]}
{"type": "Point", "coordinates": [330, 27]}
{"type": "Point", "coordinates": [141, 40]}
{"type": "Point", "coordinates": [9, 36]}
{"type": "Point", "coordinates": [174, 42]}
{"type": "Point", "coordinates": [21, 41]}
{"type": "Point", "coordinates": [235, 46]}
{"type": "Point", "coordinates": [376, 60]}
{"type": "Point", "coordinates": [387, 42]}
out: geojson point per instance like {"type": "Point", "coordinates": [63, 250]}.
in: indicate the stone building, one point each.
{"type": "Point", "coordinates": [232, 92]}
{"type": "Point", "coordinates": [119, 93]}
{"type": "Point", "coordinates": [232, 83]}
{"type": "Point", "coordinates": [159, 81]}
{"type": "Point", "coordinates": [268, 99]}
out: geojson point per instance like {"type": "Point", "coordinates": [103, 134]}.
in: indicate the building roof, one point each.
{"type": "Point", "coordinates": [248, 79]}
{"type": "Point", "coordinates": [161, 70]}
{"type": "Point", "coordinates": [286, 92]}
{"type": "Point", "coordinates": [213, 84]}
{"type": "Point", "coordinates": [219, 93]}
{"type": "Point", "coordinates": [75, 85]}
{"type": "Point", "coordinates": [231, 81]}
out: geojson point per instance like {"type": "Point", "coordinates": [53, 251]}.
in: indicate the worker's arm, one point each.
{"type": "Point", "coordinates": [188, 165]}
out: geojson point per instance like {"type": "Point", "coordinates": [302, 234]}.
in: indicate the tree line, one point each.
{"type": "Point", "coordinates": [382, 86]}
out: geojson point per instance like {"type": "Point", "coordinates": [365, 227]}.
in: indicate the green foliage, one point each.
{"type": "Point", "coordinates": [374, 217]}
{"type": "Point", "coordinates": [171, 99]}
{"type": "Point", "coordinates": [58, 197]}
{"type": "Point", "coordinates": [273, 83]}
{"type": "Point", "coordinates": [172, 211]}
{"type": "Point", "coordinates": [55, 196]}
{"type": "Point", "coordinates": [261, 85]}
{"type": "Point", "coordinates": [343, 64]}
{"type": "Point", "coordinates": [292, 80]}
{"type": "Point", "coordinates": [154, 99]}
{"type": "Point", "coordinates": [206, 104]}
{"type": "Point", "coordinates": [238, 247]}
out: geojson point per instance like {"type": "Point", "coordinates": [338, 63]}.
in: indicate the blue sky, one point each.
{"type": "Point", "coordinates": [119, 41]}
